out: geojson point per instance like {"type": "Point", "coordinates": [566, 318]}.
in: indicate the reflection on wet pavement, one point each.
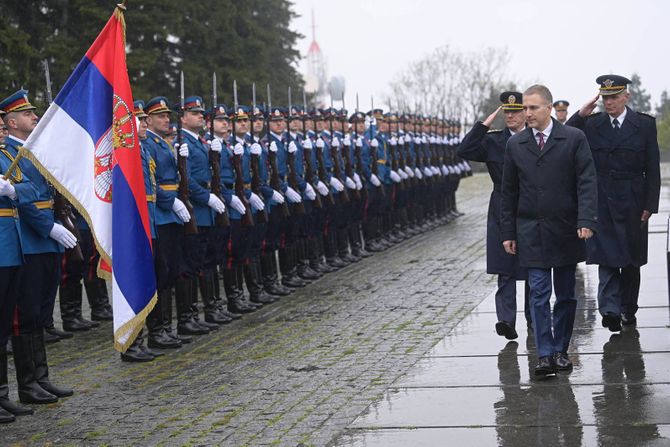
{"type": "Point", "coordinates": [475, 388]}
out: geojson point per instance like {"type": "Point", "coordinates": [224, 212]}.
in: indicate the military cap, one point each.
{"type": "Point", "coordinates": [295, 112]}
{"type": "Point", "coordinates": [220, 111]}
{"type": "Point", "coordinates": [342, 113]}
{"type": "Point", "coordinates": [357, 117]}
{"type": "Point", "coordinates": [278, 113]}
{"type": "Point", "coordinates": [612, 84]}
{"type": "Point", "coordinates": [258, 112]}
{"type": "Point", "coordinates": [378, 114]}
{"type": "Point", "coordinates": [511, 101]}
{"type": "Point", "coordinates": [239, 113]}
{"type": "Point", "coordinates": [330, 113]}
{"type": "Point", "coordinates": [561, 105]}
{"type": "Point", "coordinates": [316, 114]}
{"type": "Point", "coordinates": [159, 104]}
{"type": "Point", "coordinates": [16, 102]}
{"type": "Point", "coordinates": [138, 106]}
{"type": "Point", "coordinates": [192, 104]}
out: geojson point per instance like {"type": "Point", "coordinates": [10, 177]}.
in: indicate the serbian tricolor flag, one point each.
{"type": "Point", "coordinates": [86, 144]}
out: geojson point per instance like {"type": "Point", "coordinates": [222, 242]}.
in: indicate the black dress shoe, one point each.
{"type": "Point", "coordinates": [163, 341]}
{"type": "Point", "coordinates": [628, 320]}
{"type": "Point", "coordinates": [562, 361]}
{"type": "Point", "coordinates": [33, 393]}
{"type": "Point", "coordinates": [76, 325]}
{"type": "Point", "coordinates": [294, 282]}
{"type": "Point", "coordinates": [135, 354]}
{"type": "Point", "coordinates": [50, 338]}
{"type": "Point", "coordinates": [148, 350]}
{"type": "Point", "coordinates": [277, 289]}
{"type": "Point", "coordinates": [56, 390]}
{"type": "Point", "coordinates": [612, 322]}
{"type": "Point", "coordinates": [15, 409]}
{"type": "Point", "coordinates": [52, 330]}
{"type": "Point", "coordinates": [545, 367]}
{"type": "Point", "coordinates": [506, 330]}
{"type": "Point", "coordinates": [6, 416]}
{"type": "Point", "coordinates": [102, 314]}
{"type": "Point", "coordinates": [190, 327]}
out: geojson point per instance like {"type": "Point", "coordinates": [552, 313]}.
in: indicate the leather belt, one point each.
{"type": "Point", "coordinates": [151, 198]}
{"type": "Point", "coordinates": [44, 205]}
{"type": "Point", "coordinates": [8, 212]}
{"type": "Point", "coordinates": [169, 187]}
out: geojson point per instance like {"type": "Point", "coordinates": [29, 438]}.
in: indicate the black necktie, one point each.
{"type": "Point", "coordinates": [615, 124]}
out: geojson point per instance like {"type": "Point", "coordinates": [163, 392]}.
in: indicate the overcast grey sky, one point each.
{"type": "Point", "coordinates": [564, 44]}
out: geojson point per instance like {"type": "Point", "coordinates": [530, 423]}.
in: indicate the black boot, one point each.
{"type": "Point", "coordinates": [186, 325]}
{"type": "Point", "coordinates": [42, 368]}
{"type": "Point", "coordinates": [302, 255]}
{"type": "Point", "coordinates": [212, 313]}
{"type": "Point", "coordinates": [98, 299]}
{"type": "Point", "coordinates": [70, 296]}
{"type": "Point", "coordinates": [253, 282]}
{"type": "Point", "coordinates": [54, 335]}
{"type": "Point", "coordinates": [271, 282]}
{"type": "Point", "coordinates": [289, 273]}
{"type": "Point", "coordinates": [356, 241]}
{"type": "Point", "coordinates": [235, 295]}
{"type": "Point", "coordinates": [330, 249]}
{"type": "Point", "coordinates": [6, 405]}
{"type": "Point", "coordinates": [222, 300]}
{"type": "Point", "coordinates": [239, 275]}
{"type": "Point", "coordinates": [158, 335]}
{"type": "Point", "coordinates": [135, 353]}
{"type": "Point", "coordinates": [195, 309]}
{"type": "Point", "coordinates": [343, 246]}
{"type": "Point", "coordinates": [30, 392]}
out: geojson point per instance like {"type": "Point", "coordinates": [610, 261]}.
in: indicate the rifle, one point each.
{"type": "Point", "coordinates": [393, 149]}
{"type": "Point", "coordinates": [344, 196]}
{"type": "Point", "coordinates": [322, 170]}
{"type": "Point", "coordinates": [358, 157]}
{"type": "Point", "coordinates": [220, 220]}
{"type": "Point", "coordinates": [63, 208]}
{"type": "Point", "coordinates": [298, 208]}
{"type": "Point", "coordinates": [272, 158]}
{"type": "Point", "coordinates": [183, 192]}
{"type": "Point", "coordinates": [346, 153]}
{"type": "Point", "coordinates": [373, 151]}
{"type": "Point", "coordinates": [247, 218]}
{"type": "Point", "coordinates": [307, 153]}
{"type": "Point", "coordinates": [262, 215]}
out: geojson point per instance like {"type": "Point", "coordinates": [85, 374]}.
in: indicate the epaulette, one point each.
{"type": "Point", "coordinates": [494, 131]}
{"type": "Point", "coordinates": [647, 115]}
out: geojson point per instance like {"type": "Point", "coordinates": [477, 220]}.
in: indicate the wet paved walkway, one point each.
{"type": "Point", "coordinates": [474, 389]}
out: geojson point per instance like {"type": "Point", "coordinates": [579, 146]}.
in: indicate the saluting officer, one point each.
{"type": "Point", "coordinates": [626, 156]}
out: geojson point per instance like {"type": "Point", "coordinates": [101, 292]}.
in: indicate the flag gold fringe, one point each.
{"type": "Point", "coordinates": [133, 327]}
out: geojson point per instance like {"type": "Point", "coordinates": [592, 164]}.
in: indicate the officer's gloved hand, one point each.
{"type": "Point", "coordinates": [432, 140]}
{"type": "Point", "coordinates": [350, 183]}
{"type": "Point", "coordinates": [292, 196]}
{"type": "Point", "coordinates": [237, 205]}
{"type": "Point", "coordinates": [273, 146]}
{"type": "Point", "coordinates": [307, 143]}
{"type": "Point", "coordinates": [7, 189]}
{"type": "Point", "coordinates": [256, 202]}
{"type": "Point", "coordinates": [216, 204]}
{"type": "Point", "coordinates": [359, 142]}
{"type": "Point", "coordinates": [320, 143]}
{"type": "Point", "coordinates": [445, 170]}
{"type": "Point", "coordinates": [418, 173]}
{"type": "Point", "coordinates": [323, 189]}
{"type": "Point", "coordinates": [292, 148]}
{"type": "Point", "coordinates": [214, 145]}
{"type": "Point", "coordinates": [180, 210]}
{"type": "Point", "coordinates": [309, 192]}
{"type": "Point", "coordinates": [256, 149]}
{"type": "Point", "coordinates": [335, 142]}
{"type": "Point", "coordinates": [375, 180]}
{"type": "Point", "coordinates": [395, 177]}
{"type": "Point", "coordinates": [63, 236]}
{"type": "Point", "coordinates": [374, 143]}
{"type": "Point", "coordinates": [335, 183]}
{"type": "Point", "coordinates": [427, 172]}
{"type": "Point", "coordinates": [357, 180]}
{"type": "Point", "coordinates": [409, 171]}
{"type": "Point", "coordinates": [393, 141]}
{"type": "Point", "coordinates": [182, 149]}
{"type": "Point", "coordinates": [238, 149]}
{"type": "Point", "coordinates": [277, 197]}
{"type": "Point", "coordinates": [403, 174]}
{"type": "Point", "coordinates": [347, 140]}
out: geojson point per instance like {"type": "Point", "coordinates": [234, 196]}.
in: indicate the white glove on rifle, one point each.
{"type": "Point", "coordinates": [424, 139]}
{"type": "Point", "coordinates": [347, 140]}
{"type": "Point", "coordinates": [418, 174]}
{"type": "Point", "coordinates": [182, 149]}
{"type": "Point", "coordinates": [237, 205]}
{"type": "Point", "coordinates": [323, 189]}
{"type": "Point", "coordinates": [417, 140]}
{"type": "Point", "coordinates": [409, 171]}
{"type": "Point", "coordinates": [335, 142]}
{"type": "Point", "coordinates": [256, 149]}
{"type": "Point", "coordinates": [180, 210]}
{"type": "Point", "coordinates": [292, 148]}
{"type": "Point", "coordinates": [320, 143]}
{"type": "Point", "coordinates": [238, 149]}
{"type": "Point", "coordinates": [445, 170]}
{"type": "Point", "coordinates": [375, 180]}
{"type": "Point", "coordinates": [427, 172]}
{"type": "Point", "coordinates": [457, 170]}
{"type": "Point", "coordinates": [216, 204]}
{"type": "Point", "coordinates": [350, 183]}
{"type": "Point", "coordinates": [393, 141]}
{"type": "Point", "coordinates": [277, 197]}
{"type": "Point", "coordinates": [435, 170]}
{"type": "Point", "coordinates": [293, 197]}
{"type": "Point", "coordinates": [357, 180]}
{"type": "Point", "coordinates": [395, 177]}
{"type": "Point", "coordinates": [214, 145]}
{"type": "Point", "coordinates": [403, 174]}
{"type": "Point", "coordinates": [335, 183]}
{"type": "Point", "coordinates": [273, 146]}
{"type": "Point", "coordinates": [7, 189]}
{"type": "Point", "coordinates": [63, 236]}
{"type": "Point", "coordinates": [359, 142]}
{"type": "Point", "coordinates": [256, 202]}
{"type": "Point", "coordinates": [374, 143]}
{"type": "Point", "coordinates": [307, 143]}
{"type": "Point", "coordinates": [309, 192]}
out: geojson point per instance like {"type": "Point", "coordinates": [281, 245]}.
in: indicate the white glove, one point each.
{"type": "Point", "coordinates": [273, 146]}
{"type": "Point", "coordinates": [180, 210]}
{"type": "Point", "coordinates": [435, 170]}
{"type": "Point", "coordinates": [335, 142]}
{"type": "Point", "coordinates": [427, 172]}
{"type": "Point", "coordinates": [323, 189]}
{"type": "Point", "coordinates": [373, 121]}
{"type": "Point", "coordinates": [307, 143]}
{"type": "Point", "coordinates": [409, 171]}
{"type": "Point", "coordinates": [393, 141]}
{"type": "Point", "coordinates": [457, 170]}
{"type": "Point", "coordinates": [238, 149]}
{"type": "Point", "coordinates": [445, 170]}
{"type": "Point", "coordinates": [350, 183]}
{"type": "Point", "coordinates": [359, 142]}
{"type": "Point", "coordinates": [418, 174]}
{"type": "Point", "coordinates": [347, 140]}
{"type": "Point", "coordinates": [309, 192]}
{"type": "Point", "coordinates": [335, 183]}
{"type": "Point", "coordinates": [214, 145]}
{"type": "Point", "coordinates": [256, 149]}
{"type": "Point", "coordinates": [277, 197]}
{"type": "Point", "coordinates": [424, 139]}
{"type": "Point", "coordinates": [452, 170]}
{"type": "Point", "coordinates": [63, 236]}
{"type": "Point", "coordinates": [292, 148]}
{"type": "Point", "coordinates": [403, 174]}
{"type": "Point", "coordinates": [256, 202]}
{"type": "Point", "coordinates": [293, 196]}
{"type": "Point", "coordinates": [417, 140]}
{"type": "Point", "coordinates": [183, 149]}
{"type": "Point", "coordinates": [395, 177]}
{"type": "Point", "coordinates": [7, 189]}
{"type": "Point", "coordinates": [468, 167]}
{"type": "Point", "coordinates": [320, 143]}
{"type": "Point", "coordinates": [357, 180]}
{"type": "Point", "coordinates": [237, 204]}
{"type": "Point", "coordinates": [216, 204]}
{"type": "Point", "coordinates": [374, 143]}
{"type": "Point", "coordinates": [432, 140]}
{"type": "Point", "coordinates": [401, 140]}
{"type": "Point", "coordinates": [375, 180]}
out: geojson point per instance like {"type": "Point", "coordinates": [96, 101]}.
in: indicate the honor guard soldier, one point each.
{"type": "Point", "coordinates": [170, 216]}
{"type": "Point", "coordinates": [488, 146]}
{"type": "Point", "coordinates": [15, 188]}
{"type": "Point", "coordinates": [625, 151]}
{"type": "Point", "coordinates": [361, 174]}
{"type": "Point", "coordinates": [380, 198]}
{"type": "Point", "coordinates": [561, 110]}
{"type": "Point", "coordinates": [43, 240]}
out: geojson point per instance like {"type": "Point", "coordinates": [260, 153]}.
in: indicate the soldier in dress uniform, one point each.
{"type": "Point", "coordinates": [485, 145]}
{"type": "Point", "coordinates": [43, 240]}
{"type": "Point", "coordinates": [357, 121]}
{"type": "Point", "coordinates": [625, 151]}
{"type": "Point", "coordinates": [14, 189]}
{"type": "Point", "coordinates": [561, 110]}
